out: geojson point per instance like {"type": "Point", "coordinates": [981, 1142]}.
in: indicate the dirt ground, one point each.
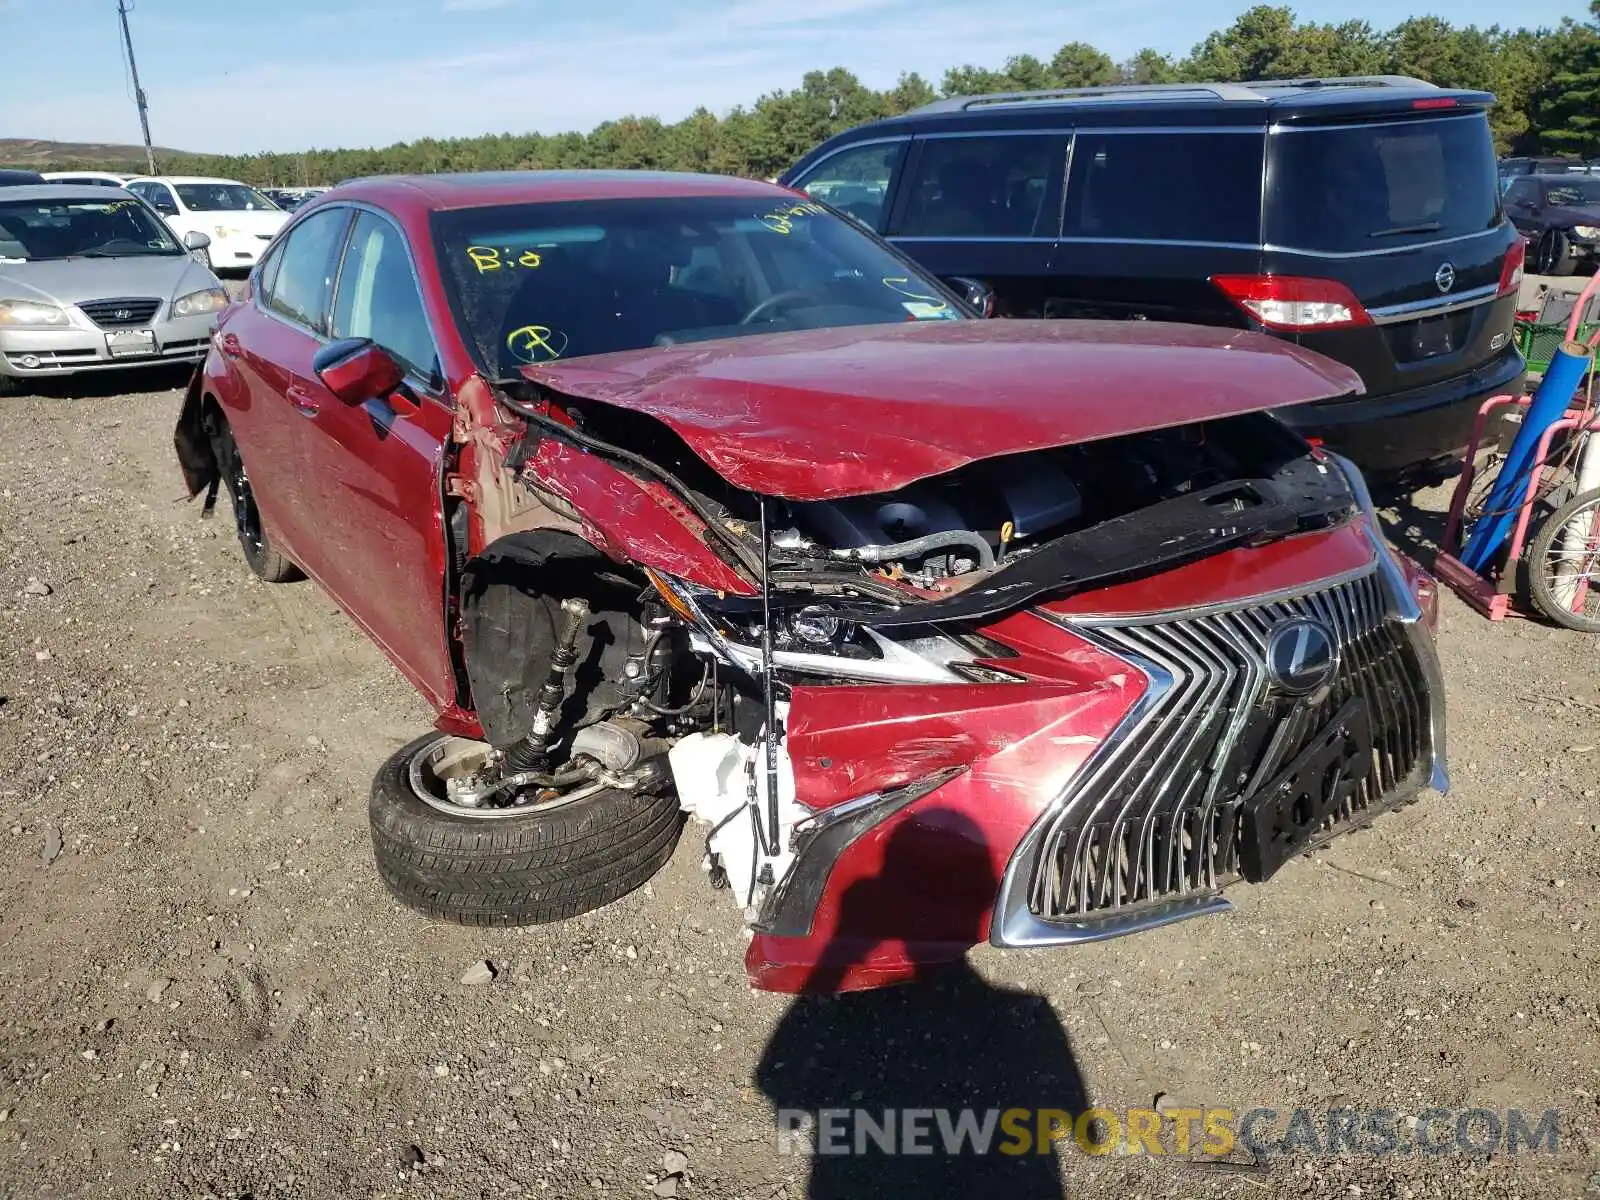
{"type": "Point", "coordinates": [205, 991]}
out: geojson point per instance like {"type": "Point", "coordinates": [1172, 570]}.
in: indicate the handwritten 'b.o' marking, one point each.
{"type": "Point", "coordinates": [782, 219]}
{"type": "Point", "coordinates": [487, 258]}
{"type": "Point", "coordinates": [536, 344]}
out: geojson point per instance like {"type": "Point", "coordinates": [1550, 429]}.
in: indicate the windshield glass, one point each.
{"type": "Point", "coordinates": [38, 230]}
{"type": "Point", "coordinates": [222, 197]}
{"type": "Point", "coordinates": [537, 282]}
{"type": "Point", "coordinates": [1573, 191]}
{"type": "Point", "coordinates": [1381, 186]}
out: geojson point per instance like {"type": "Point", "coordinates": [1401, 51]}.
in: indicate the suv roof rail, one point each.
{"type": "Point", "coordinates": [1254, 91]}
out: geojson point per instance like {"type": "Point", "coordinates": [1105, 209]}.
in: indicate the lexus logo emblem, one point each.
{"type": "Point", "coordinates": [123, 314]}
{"type": "Point", "coordinates": [1301, 656]}
{"type": "Point", "coordinates": [1445, 277]}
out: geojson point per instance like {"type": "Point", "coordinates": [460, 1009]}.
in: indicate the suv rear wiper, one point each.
{"type": "Point", "coordinates": [1399, 230]}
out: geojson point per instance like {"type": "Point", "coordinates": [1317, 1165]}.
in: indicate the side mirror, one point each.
{"type": "Point", "coordinates": [978, 294]}
{"type": "Point", "coordinates": [166, 208]}
{"type": "Point", "coordinates": [196, 240]}
{"type": "Point", "coordinates": [357, 370]}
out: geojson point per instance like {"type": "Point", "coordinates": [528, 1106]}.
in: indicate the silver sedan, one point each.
{"type": "Point", "coordinates": [91, 279]}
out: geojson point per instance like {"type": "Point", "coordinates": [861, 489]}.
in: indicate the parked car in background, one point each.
{"type": "Point", "coordinates": [88, 178]}
{"type": "Point", "coordinates": [674, 492]}
{"type": "Point", "coordinates": [1355, 217]}
{"type": "Point", "coordinates": [239, 220]}
{"type": "Point", "coordinates": [90, 280]}
{"type": "Point", "coordinates": [1560, 217]}
{"type": "Point", "coordinates": [12, 177]}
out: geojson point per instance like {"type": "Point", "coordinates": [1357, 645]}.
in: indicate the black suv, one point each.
{"type": "Point", "coordinates": [1358, 217]}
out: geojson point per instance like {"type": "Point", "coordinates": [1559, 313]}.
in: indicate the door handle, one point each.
{"type": "Point", "coordinates": [303, 400]}
{"type": "Point", "coordinates": [228, 343]}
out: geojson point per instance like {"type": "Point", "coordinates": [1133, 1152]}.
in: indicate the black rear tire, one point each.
{"type": "Point", "coordinates": [526, 869]}
{"type": "Point", "coordinates": [260, 555]}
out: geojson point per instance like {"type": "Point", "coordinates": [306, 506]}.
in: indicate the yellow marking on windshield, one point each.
{"type": "Point", "coordinates": [536, 343]}
{"type": "Point", "coordinates": [782, 219]}
{"type": "Point", "coordinates": [487, 258]}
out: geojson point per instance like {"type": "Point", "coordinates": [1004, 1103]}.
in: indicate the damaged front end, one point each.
{"type": "Point", "coordinates": [1035, 698]}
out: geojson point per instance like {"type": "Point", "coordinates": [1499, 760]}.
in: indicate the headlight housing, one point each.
{"type": "Point", "coordinates": [1592, 232]}
{"type": "Point", "coordinates": [195, 304]}
{"type": "Point", "coordinates": [812, 643]}
{"type": "Point", "coordinates": [32, 314]}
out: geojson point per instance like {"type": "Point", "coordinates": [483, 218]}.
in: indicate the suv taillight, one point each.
{"type": "Point", "coordinates": [1511, 270]}
{"type": "Point", "coordinates": [1293, 303]}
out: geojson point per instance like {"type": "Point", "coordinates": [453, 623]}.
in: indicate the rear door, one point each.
{"type": "Point", "coordinates": [269, 343]}
{"type": "Point", "coordinates": [372, 470]}
{"type": "Point", "coordinates": [1150, 215]}
{"type": "Point", "coordinates": [1404, 211]}
{"type": "Point", "coordinates": [984, 205]}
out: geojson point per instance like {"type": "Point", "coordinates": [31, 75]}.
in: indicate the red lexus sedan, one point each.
{"type": "Point", "coordinates": [686, 495]}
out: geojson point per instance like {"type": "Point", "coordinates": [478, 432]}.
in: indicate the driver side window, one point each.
{"type": "Point", "coordinates": [378, 297]}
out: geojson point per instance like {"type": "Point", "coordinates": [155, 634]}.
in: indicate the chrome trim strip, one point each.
{"type": "Point", "coordinates": [1024, 935]}
{"type": "Point", "coordinates": [1433, 306]}
{"type": "Point", "coordinates": [818, 841]}
{"type": "Point", "coordinates": [1437, 114]}
{"type": "Point", "coordinates": [1257, 130]}
{"type": "Point", "coordinates": [1409, 613]}
{"type": "Point", "coordinates": [1275, 248]}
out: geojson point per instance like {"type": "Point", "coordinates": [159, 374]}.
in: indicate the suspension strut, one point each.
{"type": "Point", "coordinates": [529, 754]}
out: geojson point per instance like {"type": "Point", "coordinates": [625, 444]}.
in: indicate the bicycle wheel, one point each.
{"type": "Point", "coordinates": [1564, 564]}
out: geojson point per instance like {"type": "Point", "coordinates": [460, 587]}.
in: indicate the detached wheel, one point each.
{"type": "Point", "coordinates": [264, 561]}
{"type": "Point", "coordinates": [510, 866]}
{"type": "Point", "coordinates": [1564, 564]}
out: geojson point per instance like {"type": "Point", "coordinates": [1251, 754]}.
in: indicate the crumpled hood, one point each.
{"type": "Point", "coordinates": [819, 414]}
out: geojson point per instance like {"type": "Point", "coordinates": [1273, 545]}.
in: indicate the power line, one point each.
{"type": "Point", "coordinates": [124, 7]}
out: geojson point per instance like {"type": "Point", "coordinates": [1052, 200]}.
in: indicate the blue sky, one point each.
{"type": "Point", "coordinates": [234, 76]}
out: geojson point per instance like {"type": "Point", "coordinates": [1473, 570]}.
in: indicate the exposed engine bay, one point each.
{"type": "Point", "coordinates": [588, 673]}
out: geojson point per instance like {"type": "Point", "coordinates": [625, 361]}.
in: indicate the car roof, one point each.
{"type": "Point", "coordinates": [85, 175]}
{"type": "Point", "coordinates": [63, 191]}
{"type": "Point", "coordinates": [1255, 104]}
{"type": "Point", "coordinates": [484, 189]}
{"type": "Point", "coordinates": [184, 179]}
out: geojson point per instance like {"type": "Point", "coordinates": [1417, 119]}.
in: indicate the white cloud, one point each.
{"type": "Point", "coordinates": [586, 75]}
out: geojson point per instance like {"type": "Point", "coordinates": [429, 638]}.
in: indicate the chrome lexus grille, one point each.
{"type": "Point", "coordinates": [1159, 815]}
{"type": "Point", "coordinates": [121, 312]}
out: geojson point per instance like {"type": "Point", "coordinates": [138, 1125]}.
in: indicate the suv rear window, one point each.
{"type": "Point", "coordinates": [1381, 186]}
{"type": "Point", "coordinates": [1180, 187]}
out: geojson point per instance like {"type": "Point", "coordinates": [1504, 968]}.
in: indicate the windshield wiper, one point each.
{"type": "Point", "coordinates": [1400, 230]}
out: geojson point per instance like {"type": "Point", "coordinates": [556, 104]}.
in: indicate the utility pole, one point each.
{"type": "Point", "coordinates": [123, 9]}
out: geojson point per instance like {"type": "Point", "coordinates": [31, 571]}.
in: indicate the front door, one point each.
{"type": "Point", "coordinates": [371, 471]}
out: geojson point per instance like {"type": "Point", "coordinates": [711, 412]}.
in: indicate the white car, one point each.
{"type": "Point", "coordinates": [239, 220]}
{"type": "Point", "coordinates": [87, 178]}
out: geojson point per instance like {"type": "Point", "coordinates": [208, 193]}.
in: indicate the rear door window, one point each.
{"type": "Point", "coordinates": [996, 186]}
{"type": "Point", "coordinates": [858, 181]}
{"type": "Point", "coordinates": [307, 265]}
{"type": "Point", "coordinates": [1382, 185]}
{"type": "Point", "coordinates": [1179, 187]}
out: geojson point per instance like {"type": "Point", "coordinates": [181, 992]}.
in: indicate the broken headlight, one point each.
{"type": "Point", "coordinates": [811, 641]}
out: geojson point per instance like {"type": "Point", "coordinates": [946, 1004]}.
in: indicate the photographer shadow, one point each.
{"type": "Point", "coordinates": [975, 1054]}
